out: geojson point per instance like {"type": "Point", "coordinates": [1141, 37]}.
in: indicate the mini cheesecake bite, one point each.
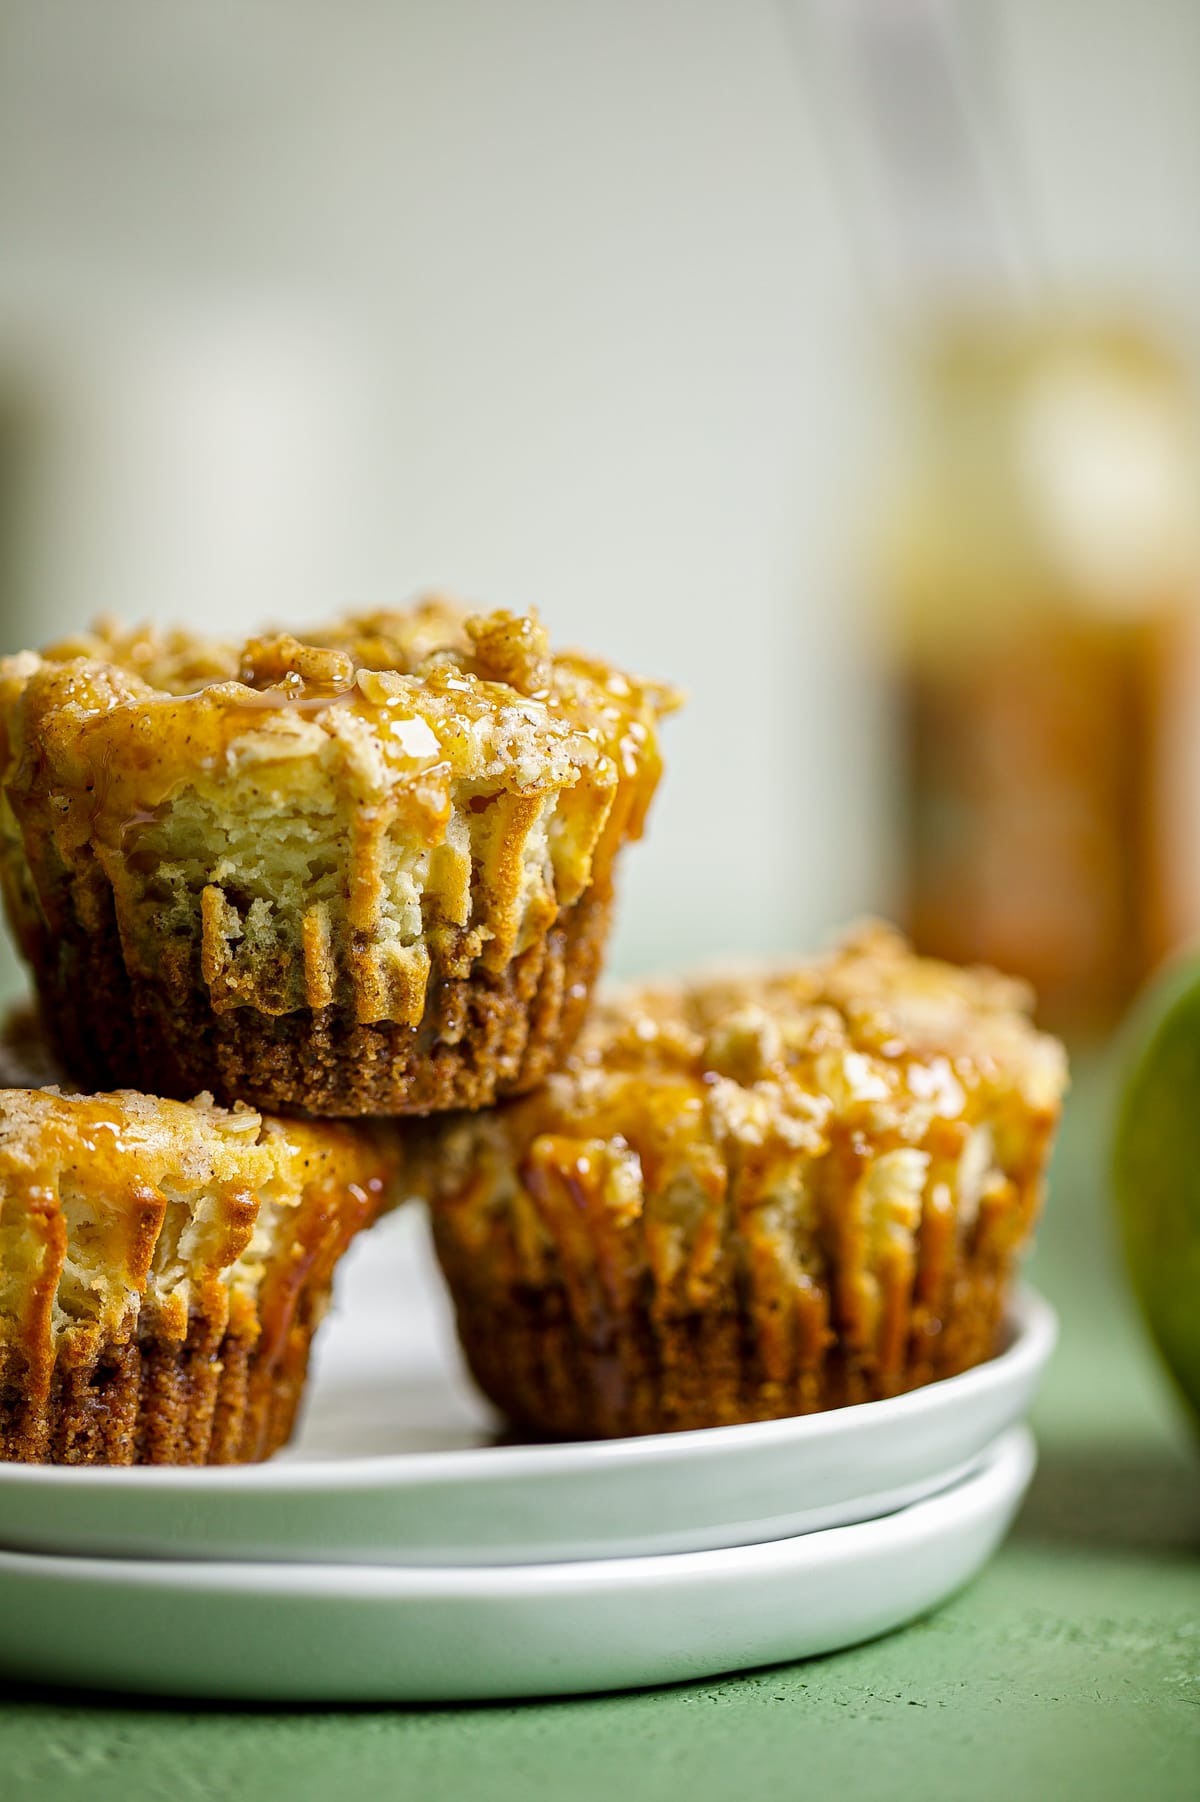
{"type": "Point", "coordinates": [164, 1266]}
{"type": "Point", "coordinates": [369, 872]}
{"type": "Point", "coordinates": [751, 1195]}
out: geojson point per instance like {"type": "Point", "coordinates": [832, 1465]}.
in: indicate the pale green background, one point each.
{"type": "Point", "coordinates": [1070, 1669]}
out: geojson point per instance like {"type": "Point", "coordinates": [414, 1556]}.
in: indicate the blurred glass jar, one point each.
{"type": "Point", "coordinates": [1041, 574]}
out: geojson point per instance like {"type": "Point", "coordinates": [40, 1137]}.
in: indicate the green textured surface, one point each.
{"type": "Point", "coordinates": [1071, 1668]}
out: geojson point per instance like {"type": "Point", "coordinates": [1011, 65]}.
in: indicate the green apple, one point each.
{"type": "Point", "coordinates": [1156, 1167]}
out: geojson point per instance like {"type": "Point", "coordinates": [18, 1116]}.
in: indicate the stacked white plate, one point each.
{"type": "Point", "coordinates": [400, 1551]}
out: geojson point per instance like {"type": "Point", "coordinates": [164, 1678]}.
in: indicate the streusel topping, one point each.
{"type": "Point", "coordinates": [868, 1034]}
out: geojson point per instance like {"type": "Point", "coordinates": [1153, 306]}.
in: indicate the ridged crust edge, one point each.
{"type": "Point", "coordinates": [639, 1371]}
{"type": "Point", "coordinates": [222, 1387]}
{"type": "Point", "coordinates": [483, 1037]}
{"type": "Point", "coordinates": [600, 1294]}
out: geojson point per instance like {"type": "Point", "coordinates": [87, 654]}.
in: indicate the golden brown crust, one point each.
{"type": "Point", "coordinates": [217, 1396]}
{"type": "Point", "coordinates": [703, 1369]}
{"type": "Point", "coordinates": [484, 1035]}
{"type": "Point", "coordinates": [163, 1266]}
{"type": "Point", "coordinates": [751, 1196]}
{"type": "Point", "coordinates": [341, 830]}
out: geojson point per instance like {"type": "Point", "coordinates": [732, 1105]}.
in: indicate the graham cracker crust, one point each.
{"type": "Point", "coordinates": [635, 1374]}
{"type": "Point", "coordinates": [209, 1400]}
{"type": "Point", "coordinates": [482, 1038]}
{"type": "Point", "coordinates": [220, 1386]}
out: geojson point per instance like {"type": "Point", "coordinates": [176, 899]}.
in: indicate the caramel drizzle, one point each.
{"type": "Point", "coordinates": [329, 1181]}
{"type": "Point", "coordinates": [115, 750]}
{"type": "Point", "coordinates": [636, 1193]}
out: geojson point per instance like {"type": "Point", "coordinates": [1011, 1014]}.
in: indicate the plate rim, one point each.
{"type": "Point", "coordinates": [1004, 1470]}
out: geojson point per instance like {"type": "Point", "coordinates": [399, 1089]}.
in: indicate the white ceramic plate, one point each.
{"type": "Point", "coordinates": [397, 1463]}
{"type": "Point", "coordinates": [338, 1633]}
